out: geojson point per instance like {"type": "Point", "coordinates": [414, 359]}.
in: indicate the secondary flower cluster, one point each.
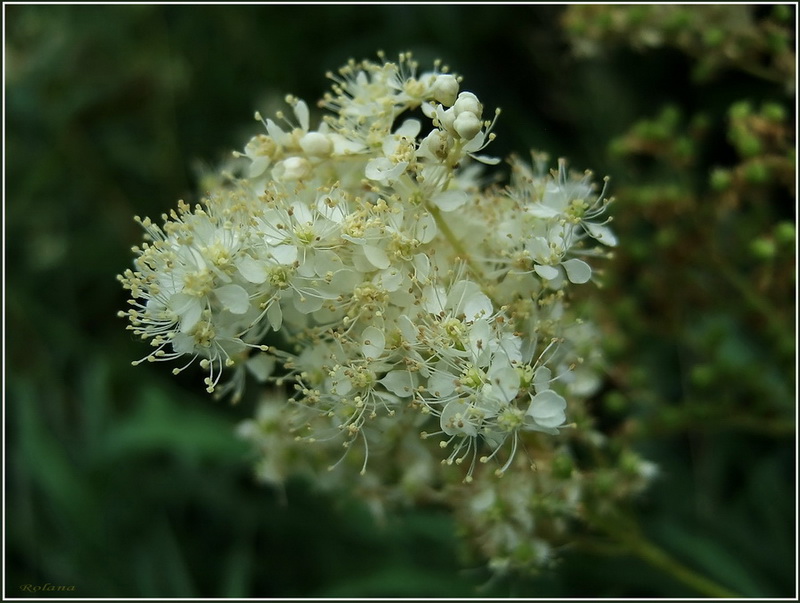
{"type": "Point", "coordinates": [366, 263]}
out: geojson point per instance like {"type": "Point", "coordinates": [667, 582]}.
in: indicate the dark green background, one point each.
{"type": "Point", "coordinates": [128, 482]}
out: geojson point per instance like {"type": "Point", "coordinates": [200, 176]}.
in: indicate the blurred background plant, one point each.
{"type": "Point", "coordinates": [130, 483]}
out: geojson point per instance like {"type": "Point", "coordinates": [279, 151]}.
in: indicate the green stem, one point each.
{"type": "Point", "coordinates": [658, 558]}
{"type": "Point", "coordinates": [462, 253]}
{"type": "Point", "coordinates": [632, 539]}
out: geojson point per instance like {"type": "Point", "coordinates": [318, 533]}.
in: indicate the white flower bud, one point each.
{"type": "Point", "coordinates": [467, 125]}
{"type": "Point", "coordinates": [316, 144]}
{"type": "Point", "coordinates": [468, 103]}
{"type": "Point", "coordinates": [293, 168]}
{"type": "Point", "coordinates": [445, 89]}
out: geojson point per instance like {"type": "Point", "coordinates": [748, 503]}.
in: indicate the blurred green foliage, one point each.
{"type": "Point", "coordinates": [129, 482]}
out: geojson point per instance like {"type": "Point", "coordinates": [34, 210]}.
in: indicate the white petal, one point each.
{"type": "Point", "coordinates": [373, 342]}
{"type": "Point", "coordinates": [326, 261]}
{"type": "Point", "coordinates": [459, 292]}
{"type": "Point", "coordinates": [445, 89]}
{"type": "Point", "coordinates": [183, 344]}
{"type": "Point", "coordinates": [382, 168]}
{"type": "Point", "coordinates": [407, 329]}
{"type": "Point", "coordinates": [475, 144]}
{"type": "Point", "coordinates": [188, 308]}
{"type": "Point", "coordinates": [275, 131]}
{"type": "Point", "coordinates": [422, 267]}
{"type": "Point", "coordinates": [252, 270]}
{"type": "Point", "coordinates": [377, 167]}
{"type": "Point", "coordinates": [233, 298]}
{"type": "Point", "coordinates": [486, 160]}
{"type": "Point", "coordinates": [275, 316]}
{"type": "Point", "coordinates": [479, 336]}
{"type": "Point", "coordinates": [547, 409]}
{"type": "Point", "coordinates": [356, 240]}
{"type": "Point", "coordinates": [441, 383]}
{"type": "Point", "coordinates": [301, 111]}
{"type": "Point", "coordinates": [467, 297]}
{"type": "Point", "coordinates": [429, 109]}
{"type": "Point", "coordinates": [541, 379]}
{"type": "Point", "coordinates": [302, 213]}
{"type": "Point", "coordinates": [360, 261]}
{"type": "Point", "coordinates": [538, 247]}
{"type": "Point", "coordinates": [511, 346]}
{"type": "Point", "coordinates": [467, 102]}
{"type": "Point", "coordinates": [390, 279]}
{"type": "Point", "coordinates": [540, 210]}
{"type": "Point", "coordinates": [477, 306]}
{"type": "Point", "coordinates": [454, 419]}
{"type": "Point", "coordinates": [306, 304]}
{"type": "Point", "coordinates": [578, 271]}
{"type": "Point", "coordinates": [585, 382]}
{"type": "Point", "coordinates": [339, 384]}
{"type": "Point", "coordinates": [425, 228]}
{"type": "Point", "coordinates": [505, 379]}
{"type": "Point", "coordinates": [344, 281]}
{"type": "Point", "coordinates": [434, 299]}
{"type": "Point", "coordinates": [376, 256]}
{"type": "Point", "coordinates": [284, 254]}
{"type": "Point", "coordinates": [409, 129]}
{"type": "Point", "coordinates": [261, 366]}
{"type": "Point", "coordinates": [601, 232]}
{"type": "Point", "coordinates": [449, 200]}
{"type": "Point", "coordinates": [400, 383]}
{"type": "Point", "coordinates": [345, 146]}
{"type": "Point", "coordinates": [548, 273]}
{"type": "Point", "coordinates": [258, 166]}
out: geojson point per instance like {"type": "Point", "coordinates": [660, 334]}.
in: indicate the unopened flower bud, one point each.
{"type": "Point", "coordinates": [467, 125]}
{"type": "Point", "coordinates": [293, 168]}
{"type": "Point", "coordinates": [445, 89]}
{"type": "Point", "coordinates": [316, 144]}
{"type": "Point", "coordinates": [468, 103]}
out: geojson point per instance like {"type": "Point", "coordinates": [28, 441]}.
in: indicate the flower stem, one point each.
{"type": "Point", "coordinates": [636, 544]}
{"type": "Point", "coordinates": [658, 558]}
{"type": "Point", "coordinates": [462, 253]}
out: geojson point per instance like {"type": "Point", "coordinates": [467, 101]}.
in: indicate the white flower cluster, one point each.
{"type": "Point", "coordinates": [366, 262]}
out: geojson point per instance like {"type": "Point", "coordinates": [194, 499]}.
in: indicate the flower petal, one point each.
{"type": "Point", "coordinates": [547, 409]}
{"type": "Point", "coordinates": [284, 254]}
{"type": "Point", "coordinates": [601, 232]}
{"type": "Point", "coordinates": [373, 342]}
{"type": "Point", "coordinates": [455, 419]}
{"type": "Point", "coordinates": [449, 200]}
{"type": "Point", "coordinates": [233, 298]}
{"type": "Point", "coordinates": [376, 256]}
{"type": "Point", "coordinates": [548, 273]}
{"type": "Point", "coordinates": [400, 383]}
{"type": "Point", "coordinates": [301, 111]}
{"type": "Point", "coordinates": [252, 270]}
{"type": "Point", "coordinates": [578, 271]}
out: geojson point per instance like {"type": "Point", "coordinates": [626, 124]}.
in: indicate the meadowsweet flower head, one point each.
{"type": "Point", "coordinates": [424, 316]}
